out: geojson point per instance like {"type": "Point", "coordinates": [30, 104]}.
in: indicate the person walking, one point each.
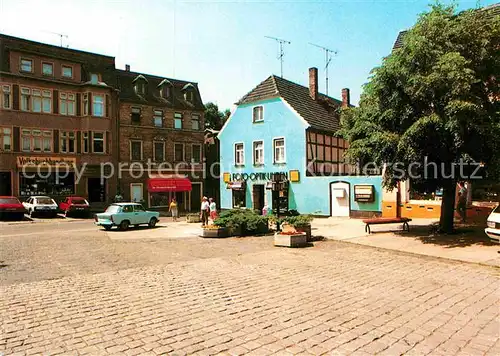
{"type": "Point", "coordinates": [174, 209]}
{"type": "Point", "coordinates": [205, 210]}
{"type": "Point", "coordinates": [213, 209]}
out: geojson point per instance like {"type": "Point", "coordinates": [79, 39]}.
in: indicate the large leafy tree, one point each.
{"type": "Point", "coordinates": [435, 99]}
{"type": "Point", "coordinates": [214, 119]}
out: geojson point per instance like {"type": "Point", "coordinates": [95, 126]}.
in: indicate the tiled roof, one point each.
{"type": "Point", "coordinates": [152, 96]}
{"type": "Point", "coordinates": [490, 11]}
{"type": "Point", "coordinates": [321, 114]}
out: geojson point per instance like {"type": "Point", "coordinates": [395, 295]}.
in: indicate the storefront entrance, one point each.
{"type": "Point", "coordinates": [136, 194]}
{"type": "Point", "coordinates": [196, 197]}
{"type": "Point", "coordinates": [96, 190]}
{"type": "Point", "coordinates": [5, 183]}
{"type": "Point", "coordinates": [258, 197]}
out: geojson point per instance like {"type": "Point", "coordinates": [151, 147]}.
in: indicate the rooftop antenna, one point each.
{"type": "Point", "coordinates": [328, 59]}
{"type": "Point", "coordinates": [281, 53]}
{"type": "Point", "coordinates": [61, 35]}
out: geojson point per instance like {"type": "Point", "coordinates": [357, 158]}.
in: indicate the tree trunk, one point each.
{"type": "Point", "coordinates": [447, 207]}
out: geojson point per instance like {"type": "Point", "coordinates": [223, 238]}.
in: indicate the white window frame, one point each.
{"type": "Point", "coordinates": [183, 152]}
{"type": "Point", "coordinates": [103, 141]}
{"type": "Point", "coordinates": [142, 150]}
{"type": "Point", "coordinates": [7, 92]}
{"type": "Point", "coordinates": [65, 97]}
{"type": "Point", "coordinates": [36, 98]}
{"type": "Point", "coordinates": [103, 103]}
{"type": "Point", "coordinates": [51, 74]}
{"type": "Point", "coordinates": [254, 155]}
{"type": "Point", "coordinates": [43, 137]}
{"type": "Point", "coordinates": [198, 120]}
{"type": "Point", "coordinates": [155, 116]}
{"type": "Point", "coordinates": [154, 150]}
{"type": "Point", "coordinates": [274, 150]}
{"type": "Point", "coordinates": [65, 136]}
{"type": "Point", "coordinates": [85, 104]}
{"type": "Point", "coordinates": [236, 163]}
{"type": "Point", "coordinates": [200, 158]}
{"type": "Point", "coordinates": [21, 65]}
{"type": "Point", "coordinates": [179, 118]}
{"type": "Point", "coordinates": [27, 95]}
{"type": "Point", "coordinates": [62, 71]}
{"type": "Point", "coordinates": [253, 114]}
{"type": "Point", "coordinates": [86, 137]}
{"type": "Point", "coordinates": [47, 99]}
{"type": "Point", "coordinates": [5, 132]}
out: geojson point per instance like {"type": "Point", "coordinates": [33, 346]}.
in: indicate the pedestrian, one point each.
{"type": "Point", "coordinates": [462, 201]}
{"type": "Point", "coordinates": [118, 197]}
{"type": "Point", "coordinates": [174, 209]}
{"type": "Point", "coordinates": [213, 209]}
{"type": "Point", "coordinates": [205, 210]}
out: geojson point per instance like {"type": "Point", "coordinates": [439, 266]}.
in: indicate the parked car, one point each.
{"type": "Point", "coordinates": [123, 215]}
{"type": "Point", "coordinates": [41, 206]}
{"type": "Point", "coordinates": [11, 208]}
{"type": "Point", "coordinates": [75, 206]}
{"type": "Point", "coordinates": [493, 225]}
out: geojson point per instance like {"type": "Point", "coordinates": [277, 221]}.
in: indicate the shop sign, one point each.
{"type": "Point", "coordinates": [257, 176]}
{"type": "Point", "coordinates": [34, 161]}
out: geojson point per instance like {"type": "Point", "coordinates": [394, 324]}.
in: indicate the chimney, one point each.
{"type": "Point", "coordinates": [313, 83]}
{"type": "Point", "coordinates": [127, 67]}
{"type": "Point", "coordinates": [346, 97]}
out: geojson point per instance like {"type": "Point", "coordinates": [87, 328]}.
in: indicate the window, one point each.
{"type": "Point", "coordinates": [258, 152]}
{"type": "Point", "coordinates": [85, 104]}
{"type": "Point", "coordinates": [178, 121]}
{"type": "Point", "coordinates": [94, 78]}
{"type": "Point", "coordinates": [279, 150]}
{"type": "Point", "coordinates": [159, 152]}
{"type": "Point", "coordinates": [179, 152]}
{"type": "Point", "coordinates": [5, 139]}
{"type": "Point", "coordinates": [98, 105]}
{"type": "Point", "coordinates": [36, 100]}
{"type": "Point", "coordinates": [158, 118]}
{"type": "Point", "coordinates": [239, 155]}
{"type": "Point", "coordinates": [136, 150]}
{"type": "Point", "coordinates": [26, 65]}
{"type": "Point", "coordinates": [68, 142]}
{"type": "Point", "coordinates": [67, 104]}
{"type": "Point", "coordinates": [36, 140]}
{"type": "Point", "coordinates": [85, 142]}
{"type": "Point", "coordinates": [47, 68]}
{"type": "Point", "coordinates": [67, 72]}
{"type": "Point", "coordinates": [46, 101]}
{"type": "Point", "coordinates": [165, 91]}
{"type": "Point", "coordinates": [258, 114]}
{"type": "Point", "coordinates": [189, 96]}
{"type": "Point", "coordinates": [135, 115]}
{"type": "Point", "coordinates": [98, 142]}
{"type": "Point", "coordinates": [140, 87]}
{"type": "Point", "coordinates": [196, 154]}
{"type": "Point", "coordinates": [239, 198]}
{"type": "Point", "coordinates": [25, 99]}
{"type": "Point", "coordinates": [6, 97]}
{"type": "Point", "coordinates": [195, 122]}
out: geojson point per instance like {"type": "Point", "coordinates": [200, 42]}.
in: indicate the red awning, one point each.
{"type": "Point", "coordinates": [157, 185]}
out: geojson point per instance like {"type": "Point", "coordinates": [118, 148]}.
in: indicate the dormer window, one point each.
{"type": "Point", "coordinates": [189, 92]}
{"type": "Point", "coordinates": [165, 87]}
{"type": "Point", "coordinates": [140, 83]}
{"type": "Point", "coordinates": [94, 78]}
{"type": "Point", "coordinates": [188, 96]}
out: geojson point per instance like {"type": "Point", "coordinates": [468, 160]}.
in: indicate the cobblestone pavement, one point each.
{"type": "Point", "coordinates": [333, 298]}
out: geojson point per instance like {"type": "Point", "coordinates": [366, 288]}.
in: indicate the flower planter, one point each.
{"type": "Point", "coordinates": [215, 233]}
{"type": "Point", "coordinates": [193, 219]}
{"type": "Point", "coordinates": [298, 239]}
{"type": "Point", "coordinates": [305, 229]}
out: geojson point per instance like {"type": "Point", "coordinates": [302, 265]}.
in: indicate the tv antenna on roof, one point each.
{"type": "Point", "coordinates": [328, 59]}
{"type": "Point", "coordinates": [281, 53]}
{"type": "Point", "coordinates": [61, 35]}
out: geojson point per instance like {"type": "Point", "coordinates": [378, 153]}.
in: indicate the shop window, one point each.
{"type": "Point", "coordinates": [258, 114]}
{"type": "Point", "coordinates": [67, 104]}
{"type": "Point", "coordinates": [85, 104]}
{"type": "Point", "coordinates": [98, 142]}
{"type": "Point", "coordinates": [178, 121]}
{"type": "Point", "coordinates": [67, 71]}
{"type": "Point", "coordinates": [239, 155]}
{"type": "Point", "coordinates": [179, 152]}
{"type": "Point", "coordinates": [85, 142]}
{"type": "Point", "coordinates": [196, 154]}
{"type": "Point", "coordinates": [45, 183]}
{"type": "Point", "coordinates": [195, 122]}
{"type": "Point", "coordinates": [136, 150]}
{"type": "Point", "coordinates": [68, 142]}
{"type": "Point", "coordinates": [159, 152]}
{"type": "Point", "coordinates": [5, 139]}
{"type": "Point", "coordinates": [47, 69]}
{"type": "Point", "coordinates": [258, 153]}
{"type": "Point", "coordinates": [6, 97]}
{"type": "Point", "coordinates": [26, 65]}
{"type": "Point", "coordinates": [36, 140]}
{"type": "Point", "coordinates": [97, 105]}
{"type": "Point", "coordinates": [279, 150]}
{"type": "Point", "coordinates": [135, 115]}
{"type": "Point", "coordinates": [25, 99]}
{"type": "Point", "coordinates": [158, 118]}
{"type": "Point", "coordinates": [239, 198]}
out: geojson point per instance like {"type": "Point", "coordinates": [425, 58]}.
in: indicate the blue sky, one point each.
{"type": "Point", "coordinates": [221, 44]}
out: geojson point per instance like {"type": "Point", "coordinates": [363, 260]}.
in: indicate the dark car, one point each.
{"type": "Point", "coordinates": [11, 208]}
{"type": "Point", "coordinates": [75, 206]}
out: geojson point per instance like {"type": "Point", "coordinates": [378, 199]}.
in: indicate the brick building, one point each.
{"type": "Point", "coordinates": [57, 109]}
{"type": "Point", "coordinates": [161, 140]}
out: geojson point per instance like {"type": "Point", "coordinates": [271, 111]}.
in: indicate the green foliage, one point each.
{"type": "Point", "coordinates": [247, 220]}
{"type": "Point", "coordinates": [215, 119]}
{"type": "Point", "coordinates": [298, 220]}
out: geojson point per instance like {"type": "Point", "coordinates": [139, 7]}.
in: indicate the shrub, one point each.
{"type": "Point", "coordinates": [247, 220]}
{"type": "Point", "coordinates": [299, 220]}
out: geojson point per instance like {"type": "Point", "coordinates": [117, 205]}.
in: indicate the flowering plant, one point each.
{"type": "Point", "coordinates": [212, 227]}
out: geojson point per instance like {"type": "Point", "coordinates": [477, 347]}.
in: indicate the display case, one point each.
{"type": "Point", "coordinates": [364, 193]}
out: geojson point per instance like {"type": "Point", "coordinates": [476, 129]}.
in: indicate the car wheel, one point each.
{"type": "Point", "coordinates": [30, 213]}
{"type": "Point", "coordinates": [152, 222]}
{"type": "Point", "coordinates": [107, 227]}
{"type": "Point", "coordinates": [124, 225]}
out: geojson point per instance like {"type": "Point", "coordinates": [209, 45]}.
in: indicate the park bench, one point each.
{"type": "Point", "coordinates": [380, 221]}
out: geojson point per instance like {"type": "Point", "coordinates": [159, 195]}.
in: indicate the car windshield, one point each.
{"type": "Point", "coordinates": [9, 201]}
{"type": "Point", "coordinates": [497, 209]}
{"type": "Point", "coordinates": [44, 201]}
{"type": "Point", "coordinates": [113, 209]}
{"type": "Point", "coordinates": [78, 201]}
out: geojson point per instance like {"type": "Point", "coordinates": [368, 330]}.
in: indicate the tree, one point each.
{"type": "Point", "coordinates": [435, 99]}
{"type": "Point", "coordinates": [214, 119]}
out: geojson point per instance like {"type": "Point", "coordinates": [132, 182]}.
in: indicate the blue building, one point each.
{"type": "Point", "coordinates": [286, 128]}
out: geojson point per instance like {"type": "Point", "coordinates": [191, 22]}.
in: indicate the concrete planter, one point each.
{"type": "Point", "coordinates": [215, 233]}
{"type": "Point", "coordinates": [305, 229]}
{"type": "Point", "coordinates": [296, 240]}
{"type": "Point", "coordinates": [193, 218]}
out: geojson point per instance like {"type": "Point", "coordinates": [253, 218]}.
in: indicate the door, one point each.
{"type": "Point", "coordinates": [128, 214]}
{"type": "Point", "coordinates": [340, 199]}
{"type": "Point", "coordinates": [136, 192]}
{"type": "Point", "coordinates": [258, 197]}
{"type": "Point", "coordinates": [196, 197]}
{"type": "Point", "coordinates": [140, 216]}
{"type": "Point", "coordinates": [5, 184]}
{"type": "Point", "coordinates": [96, 190]}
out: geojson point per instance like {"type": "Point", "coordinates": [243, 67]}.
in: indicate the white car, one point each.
{"type": "Point", "coordinates": [41, 205]}
{"type": "Point", "coordinates": [493, 223]}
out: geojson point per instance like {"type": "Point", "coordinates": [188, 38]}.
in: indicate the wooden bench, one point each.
{"type": "Point", "coordinates": [380, 221]}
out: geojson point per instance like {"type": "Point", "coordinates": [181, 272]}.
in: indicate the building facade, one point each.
{"type": "Point", "coordinates": [57, 121]}
{"type": "Point", "coordinates": [161, 140]}
{"type": "Point", "coordinates": [283, 129]}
